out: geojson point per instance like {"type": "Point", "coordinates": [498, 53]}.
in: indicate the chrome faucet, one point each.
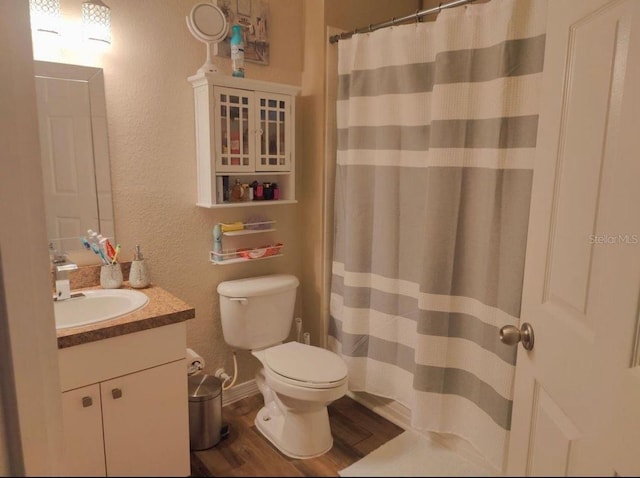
{"type": "Point", "coordinates": [61, 268]}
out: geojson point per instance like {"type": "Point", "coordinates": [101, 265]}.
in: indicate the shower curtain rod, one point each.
{"type": "Point", "coordinates": [394, 21]}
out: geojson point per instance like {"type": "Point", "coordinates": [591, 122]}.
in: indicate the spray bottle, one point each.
{"type": "Point", "coordinates": [217, 243]}
{"type": "Point", "coordinates": [237, 51]}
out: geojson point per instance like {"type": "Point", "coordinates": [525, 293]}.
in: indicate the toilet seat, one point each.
{"type": "Point", "coordinates": [305, 366]}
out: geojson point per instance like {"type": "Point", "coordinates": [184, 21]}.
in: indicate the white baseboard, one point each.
{"type": "Point", "coordinates": [400, 415]}
{"type": "Point", "coordinates": [238, 392]}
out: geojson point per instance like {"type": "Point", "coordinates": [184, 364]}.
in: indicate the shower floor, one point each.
{"type": "Point", "coordinates": [413, 454]}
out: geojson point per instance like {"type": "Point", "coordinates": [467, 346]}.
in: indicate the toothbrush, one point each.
{"type": "Point", "coordinates": [106, 245]}
{"type": "Point", "coordinates": [115, 255]}
{"type": "Point", "coordinates": [93, 236]}
{"type": "Point", "coordinates": [85, 243]}
{"type": "Point", "coordinates": [97, 250]}
{"type": "Point", "coordinates": [111, 252]}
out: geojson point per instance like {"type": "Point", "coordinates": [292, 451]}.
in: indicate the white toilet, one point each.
{"type": "Point", "coordinates": [297, 381]}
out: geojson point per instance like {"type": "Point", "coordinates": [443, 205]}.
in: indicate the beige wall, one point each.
{"type": "Point", "coordinates": [311, 177]}
{"type": "Point", "coordinates": [151, 127]}
{"type": "Point", "coordinates": [348, 15]}
{"type": "Point", "coordinates": [152, 148]}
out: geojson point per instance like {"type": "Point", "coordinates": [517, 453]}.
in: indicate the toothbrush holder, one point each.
{"type": "Point", "coordinates": [111, 276]}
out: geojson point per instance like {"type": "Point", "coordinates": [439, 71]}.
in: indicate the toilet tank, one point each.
{"type": "Point", "coordinates": [257, 312]}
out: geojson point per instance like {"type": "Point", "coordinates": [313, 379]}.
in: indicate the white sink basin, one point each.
{"type": "Point", "coordinates": [97, 305]}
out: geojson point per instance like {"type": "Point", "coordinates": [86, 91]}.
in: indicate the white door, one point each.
{"type": "Point", "coordinates": [66, 144]}
{"type": "Point", "coordinates": [577, 393]}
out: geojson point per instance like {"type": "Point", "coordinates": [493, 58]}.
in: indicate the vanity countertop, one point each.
{"type": "Point", "coordinates": [163, 309]}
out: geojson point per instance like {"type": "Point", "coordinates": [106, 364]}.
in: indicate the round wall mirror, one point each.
{"type": "Point", "coordinates": [208, 24]}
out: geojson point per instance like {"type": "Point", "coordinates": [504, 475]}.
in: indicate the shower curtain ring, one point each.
{"type": "Point", "coordinates": [417, 16]}
{"type": "Point", "coordinates": [393, 21]}
{"type": "Point", "coordinates": [370, 29]}
{"type": "Point", "coordinates": [439, 7]}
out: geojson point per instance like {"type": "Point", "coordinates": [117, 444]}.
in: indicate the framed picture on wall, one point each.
{"type": "Point", "coordinates": [253, 15]}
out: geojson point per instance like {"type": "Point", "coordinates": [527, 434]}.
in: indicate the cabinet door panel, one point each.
{"type": "Point", "coordinates": [146, 422]}
{"type": "Point", "coordinates": [82, 421]}
{"type": "Point", "coordinates": [274, 132]}
{"type": "Point", "coordinates": [234, 116]}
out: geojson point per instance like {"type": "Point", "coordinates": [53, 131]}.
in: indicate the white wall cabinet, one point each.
{"type": "Point", "coordinates": [127, 424]}
{"type": "Point", "coordinates": [245, 132]}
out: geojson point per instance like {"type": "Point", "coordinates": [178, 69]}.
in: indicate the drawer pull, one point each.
{"type": "Point", "coordinates": [87, 402]}
{"type": "Point", "coordinates": [116, 393]}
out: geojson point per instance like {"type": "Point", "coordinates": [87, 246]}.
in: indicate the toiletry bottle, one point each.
{"type": "Point", "coordinates": [237, 51]}
{"type": "Point", "coordinates": [237, 192]}
{"type": "Point", "coordinates": [217, 243]}
{"type": "Point", "coordinates": [267, 191]}
{"type": "Point", "coordinates": [247, 194]}
{"type": "Point", "coordinates": [138, 275]}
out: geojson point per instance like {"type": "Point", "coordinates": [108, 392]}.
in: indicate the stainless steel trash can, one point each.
{"type": "Point", "coordinates": [205, 411]}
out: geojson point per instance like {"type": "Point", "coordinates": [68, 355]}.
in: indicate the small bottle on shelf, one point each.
{"type": "Point", "coordinates": [259, 195]}
{"type": "Point", "coordinates": [237, 192]}
{"type": "Point", "coordinates": [268, 192]}
{"type": "Point", "coordinates": [247, 192]}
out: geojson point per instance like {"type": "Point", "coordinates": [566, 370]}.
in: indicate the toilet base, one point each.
{"type": "Point", "coordinates": [297, 435]}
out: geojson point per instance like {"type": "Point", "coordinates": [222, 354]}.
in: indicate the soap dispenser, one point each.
{"type": "Point", "coordinates": [138, 275]}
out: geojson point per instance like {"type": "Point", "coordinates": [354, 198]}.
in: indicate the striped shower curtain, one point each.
{"type": "Point", "coordinates": [437, 126]}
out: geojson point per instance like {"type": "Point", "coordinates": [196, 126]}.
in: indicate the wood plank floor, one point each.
{"type": "Point", "coordinates": [245, 452]}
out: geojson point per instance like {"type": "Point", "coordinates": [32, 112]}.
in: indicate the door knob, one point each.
{"type": "Point", "coordinates": [510, 335]}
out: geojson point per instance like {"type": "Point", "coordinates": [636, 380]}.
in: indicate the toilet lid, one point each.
{"type": "Point", "coordinates": [305, 363]}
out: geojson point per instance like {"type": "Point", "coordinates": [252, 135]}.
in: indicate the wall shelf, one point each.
{"type": "Point", "coordinates": [232, 258]}
{"type": "Point", "coordinates": [247, 203]}
{"type": "Point", "coordinates": [244, 232]}
{"type": "Point", "coordinates": [245, 254]}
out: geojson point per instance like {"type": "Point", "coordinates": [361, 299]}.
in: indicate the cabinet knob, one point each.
{"type": "Point", "coordinates": [87, 402]}
{"type": "Point", "coordinates": [116, 393]}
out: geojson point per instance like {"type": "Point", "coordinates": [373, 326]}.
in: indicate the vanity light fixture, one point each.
{"type": "Point", "coordinates": [96, 19]}
{"type": "Point", "coordinates": [45, 15]}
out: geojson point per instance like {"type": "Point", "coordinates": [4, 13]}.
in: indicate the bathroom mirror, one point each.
{"type": "Point", "coordinates": [208, 24]}
{"type": "Point", "coordinates": [75, 155]}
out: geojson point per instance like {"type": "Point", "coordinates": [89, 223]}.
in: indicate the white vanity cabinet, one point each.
{"type": "Point", "coordinates": [125, 405]}
{"type": "Point", "coordinates": [245, 132]}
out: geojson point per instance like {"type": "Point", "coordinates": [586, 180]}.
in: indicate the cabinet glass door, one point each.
{"type": "Point", "coordinates": [273, 138]}
{"type": "Point", "coordinates": [234, 114]}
